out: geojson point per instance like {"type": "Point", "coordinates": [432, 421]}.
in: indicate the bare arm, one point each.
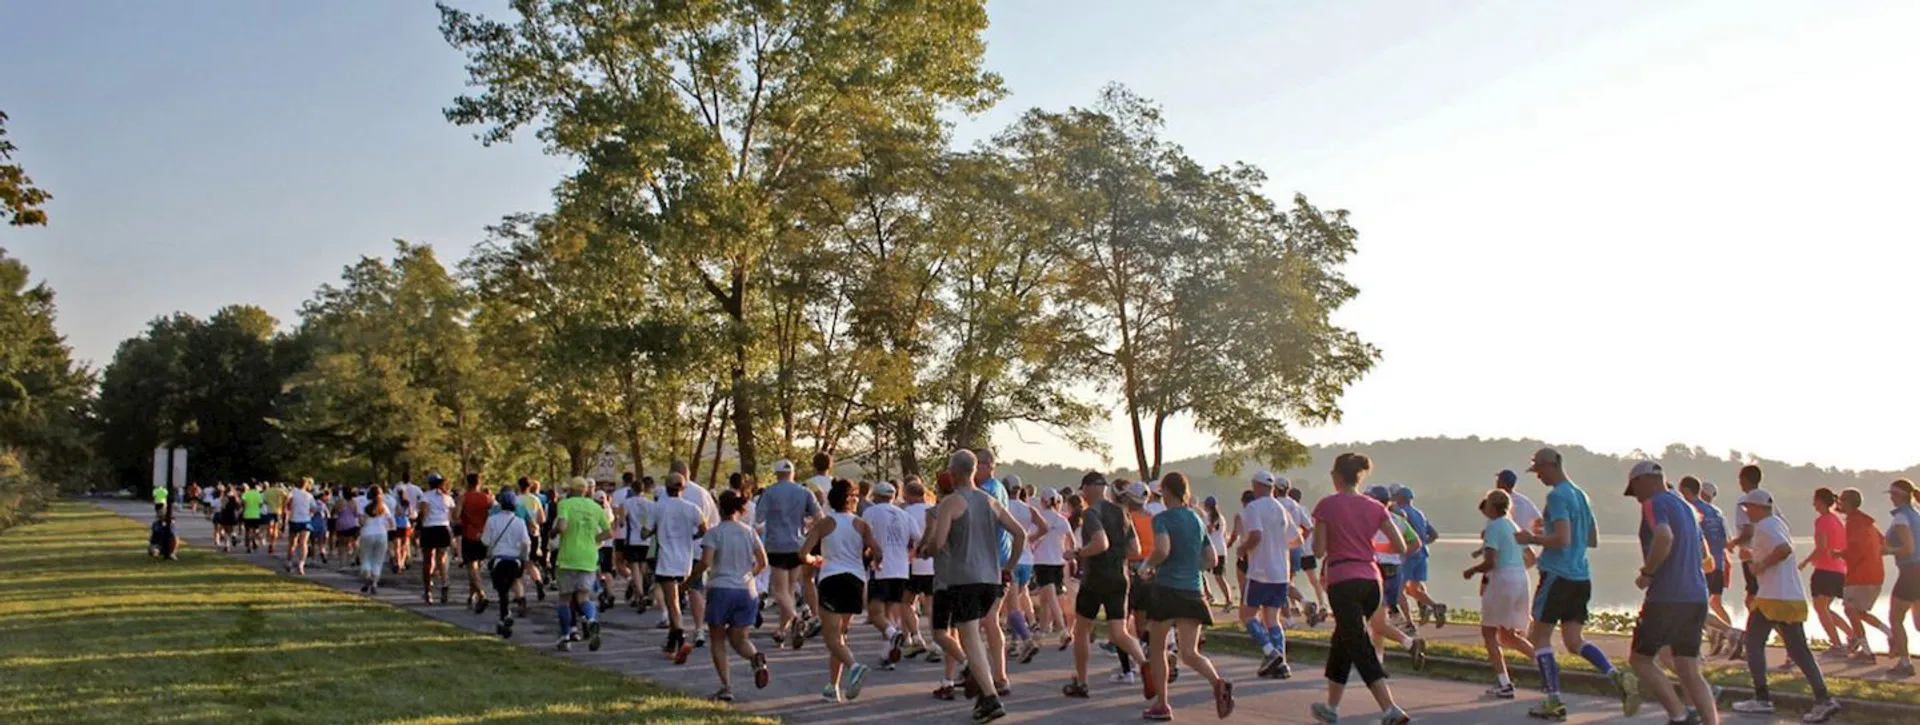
{"type": "Point", "coordinates": [944, 513]}
{"type": "Point", "coordinates": [1013, 527]}
{"type": "Point", "coordinates": [1901, 543]}
{"type": "Point", "coordinates": [1657, 553]}
{"type": "Point", "coordinates": [1162, 548]}
{"type": "Point", "coordinates": [1392, 531]}
{"type": "Point", "coordinates": [1485, 565]}
{"type": "Point", "coordinates": [1562, 534]}
{"type": "Point", "coordinates": [1095, 545]}
{"type": "Point", "coordinates": [816, 534]}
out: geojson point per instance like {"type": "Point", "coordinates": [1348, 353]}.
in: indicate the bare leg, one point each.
{"type": "Point", "coordinates": [1653, 681]}
{"type": "Point", "coordinates": [720, 634]}
{"type": "Point", "coordinates": [996, 639]}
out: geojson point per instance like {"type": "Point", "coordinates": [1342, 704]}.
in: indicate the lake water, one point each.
{"type": "Point", "coordinates": [1615, 563]}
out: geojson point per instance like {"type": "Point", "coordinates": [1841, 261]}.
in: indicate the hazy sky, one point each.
{"type": "Point", "coordinates": [1620, 224]}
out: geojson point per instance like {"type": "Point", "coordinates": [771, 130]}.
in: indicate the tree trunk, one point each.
{"type": "Point", "coordinates": [577, 459]}
{"type": "Point", "coordinates": [1159, 428]}
{"type": "Point", "coordinates": [909, 435]}
{"type": "Point", "coordinates": [719, 443]}
{"type": "Point", "coordinates": [706, 425]}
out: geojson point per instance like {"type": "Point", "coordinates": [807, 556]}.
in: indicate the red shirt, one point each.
{"type": "Point", "coordinates": [1864, 565]}
{"type": "Point", "coordinates": [474, 507]}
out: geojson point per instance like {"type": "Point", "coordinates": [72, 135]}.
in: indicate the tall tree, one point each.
{"type": "Point", "coordinates": [43, 394]}
{"type": "Point", "coordinates": [20, 200]}
{"type": "Point", "coordinates": [689, 117]}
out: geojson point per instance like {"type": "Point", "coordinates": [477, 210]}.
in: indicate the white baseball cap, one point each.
{"type": "Point", "coordinates": [883, 488]}
{"type": "Point", "coordinates": [783, 466]}
{"type": "Point", "coordinates": [1757, 497]}
{"type": "Point", "coordinates": [1137, 491]}
{"type": "Point", "coordinates": [1263, 478]}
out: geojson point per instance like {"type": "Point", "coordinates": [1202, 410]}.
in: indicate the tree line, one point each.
{"type": "Point", "coordinates": [769, 246]}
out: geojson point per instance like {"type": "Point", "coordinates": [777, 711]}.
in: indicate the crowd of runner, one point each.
{"type": "Point", "coordinates": [975, 571]}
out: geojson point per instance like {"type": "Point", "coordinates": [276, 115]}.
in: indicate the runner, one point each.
{"type": "Point", "coordinates": [1675, 608]}
{"type": "Point", "coordinates": [1107, 541]}
{"type": "Point", "coordinates": [845, 541]}
{"type": "Point", "coordinates": [1266, 547]}
{"type": "Point", "coordinates": [1414, 569]}
{"type": "Point", "coordinates": [1903, 543]}
{"type": "Point", "coordinates": [226, 518]}
{"type": "Point", "coordinates": [1780, 606]}
{"type": "Point", "coordinates": [623, 555]}
{"type": "Point", "coordinates": [405, 505]}
{"type": "Point", "coordinates": [508, 548]}
{"type": "Point", "coordinates": [1020, 615]}
{"type": "Point", "coordinates": [581, 524]}
{"type": "Point", "coordinates": [1503, 588]}
{"type": "Point", "coordinates": [1743, 533]}
{"type": "Point", "coordinates": [251, 503]}
{"type": "Point", "coordinates": [1526, 516]}
{"type": "Point", "coordinates": [1566, 587]}
{"type": "Point", "coordinates": [732, 556]}
{"type": "Point", "coordinates": [435, 514]}
{"type": "Point", "coordinates": [1182, 551]}
{"type": "Point", "coordinates": [1217, 536]}
{"type": "Point", "coordinates": [1050, 566]}
{"type": "Point", "coordinates": [1866, 575]}
{"type": "Point", "coordinates": [1133, 497]}
{"type": "Point", "coordinates": [1235, 537]}
{"type": "Point", "coordinates": [533, 506]}
{"type": "Point", "coordinates": [471, 512]}
{"type": "Point", "coordinates": [320, 513]}
{"type": "Point", "coordinates": [818, 485]}
{"type": "Point", "coordinates": [677, 526]}
{"type": "Point", "coordinates": [985, 480]}
{"type": "Point", "coordinates": [1392, 590]}
{"type": "Point", "coordinates": [920, 573]}
{"type": "Point", "coordinates": [636, 510]}
{"type": "Point", "coordinates": [1345, 524]}
{"type": "Point", "coordinates": [968, 571]}
{"type": "Point", "coordinates": [275, 498]}
{"type": "Point", "coordinates": [159, 501]}
{"type": "Point", "coordinates": [376, 523]}
{"type": "Point", "coordinates": [784, 512]}
{"type": "Point", "coordinates": [1829, 580]}
{"type": "Point", "coordinates": [887, 592]}
{"type": "Point", "coordinates": [1713, 528]}
{"type": "Point", "coordinates": [346, 524]}
{"type": "Point", "coordinates": [695, 587]}
{"type": "Point", "coordinates": [299, 526]}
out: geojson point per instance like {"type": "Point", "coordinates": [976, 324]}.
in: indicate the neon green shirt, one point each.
{"type": "Point", "coordinates": [580, 543]}
{"type": "Point", "coordinates": [276, 497]}
{"type": "Point", "coordinates": [159, 494]}
{"type": "Point", "coordinates": [250, 502]}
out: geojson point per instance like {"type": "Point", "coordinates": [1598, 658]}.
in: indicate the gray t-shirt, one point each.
{"type": "Point", "coordinates": [733, 544]}
{"type": "Point", "coordinates": [782, 513]}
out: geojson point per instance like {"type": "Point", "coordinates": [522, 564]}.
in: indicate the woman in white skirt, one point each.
{"type": "Point", "coordinates": [374, 525]}
{"type": "Point", "coordinates": [1505, 609]}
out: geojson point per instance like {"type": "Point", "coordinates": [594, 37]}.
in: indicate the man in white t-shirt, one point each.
{"type": "Point", "coordinates": [638, 512]}
{"type": "Point", "coordinates": [701, 499]}
{"type": "Point", "coordinates": [887, 591]}
{"type": "Point", "coordinates": [1267, 545]}
{"type": "Point", "coordinates": [1779, 606]}
{"type": "Point", "coordinates": [623, 557]}
{"type": "Point", "coordinates": [920, 572]}
{"type": "Point", "coordinates": [1299, 558]}
{"type": "Point", "coordinates": [677, 526]}
{"type": "Point", "coordinates": [1526, 516]}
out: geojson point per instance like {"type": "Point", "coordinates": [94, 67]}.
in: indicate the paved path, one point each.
{"type": "Point", "coordinates": [903, 696]}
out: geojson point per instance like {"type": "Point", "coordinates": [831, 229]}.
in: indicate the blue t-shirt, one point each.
{"type": "Point", "coordinates": [1568, 503]}
{"type": "Point", "coordinates": [1507, 553]}
{"type": "Point", "coordinates": [1679, 578]}
{"type": "Point", "coordinates": [999, 493]}
{"type": "Point", "coordinates": [1418, 520]}
{"type": "Point", "coordinates": [1906, 516]}
{"type": "Point", "coordinates": [1714, 527]}
{"type": "Point", "coordinates": [1186, 537]}
{"type": "Point", "coordinates": [783, 510]}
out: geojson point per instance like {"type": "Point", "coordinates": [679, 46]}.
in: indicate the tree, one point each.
{"type": "Point", "coordinates": [689, 118]}
{"type": "Point", "coordinates": [20, 200]}
{"type": "Point", "coordinates": [43, 394]}
{"type": "Point", "coordinates": [1201, 297]}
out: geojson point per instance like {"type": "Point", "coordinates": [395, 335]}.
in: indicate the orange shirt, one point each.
{"type": "Point", "coordinates": [1143, 530]}
{"type": "Point", "coordinates": [1864, 565]}
{"type": "Point", "coordinates": [474, 507]}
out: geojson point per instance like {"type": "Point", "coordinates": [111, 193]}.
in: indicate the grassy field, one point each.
{"type": "Point", "coordinates": [92, 631]}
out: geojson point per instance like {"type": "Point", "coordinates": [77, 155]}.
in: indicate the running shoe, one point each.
{"type": "Point", "coordinates": [725, 694]}
{"type": "Point", "coordinates": [443, 593]}
{"type": "Point", "coordinates": [1550, 709]}
{"type": "Point", "coordinates": [797, 635]}
{"type": "Point", "coordinates": [894, 645]}
{"type": "Point", "coordinates": [363, 588]}
{"type": "Point", "coordinates": [854, 676]}
{"type": "Point", "coordinates": [1629, 687]}
{"type": "Point", "coordinates": [565, 644]}
{"type": "Point", "coordinates": [1157, 712]}
{"type": "Point", "coordinates": [1901, 669]}
{"type": "Point", "coordinates": [1027, 653]}
{"type": "Point", "coordinates": [479, 604]}
{"type": "Point", "coordinates": [1325, 713]}
{"type": "Point", "coordinates": [831, 694]}
{"type": "Point", "coordinates": [761, 675]}
{"type": "Point", "coordinates": [1754, 707]}
{"type": "Point", "coordinates": [1283, 672]}
{"type": "Point", "coordinates": [1426, 613]}
{"type": "Point", "coordinates": [1108, 647]}
{"type": "Point", "coordinates": [1066, 640]}
{"type": "Point", "coordinates": [1223, 699]}
{"type": "Point", "coordinates": [813, 628]}
{"type": "Point", "coordinates": [504, 629]}
{"type": "Point", "coordinates": [1076, 689]}
{"type": "Point", "coordinates": [934, 657]}
{"type": "Point", "coordinates": [1439, 616]}
{"type": "Point", "coordinates": [1834, 652]}
{"type": "Point", "coordinates": [680, 655]}
{"type": "Point", "coordinates": [1501, 692]}
{"type": "Point", "coordinates": [1394, 716]}
{"type": "Point", "coordinates": [1122, 678]}
{"type": "Point", "coordinates": [967, 686]}
{"type": "Point", "coordinates": [915, 651]}
{"type": "Point", "coordinates": [593, 635]}
{"type": "Point", "coordinates": [943, 692]}
{"type": "Point", "coordinates": [699, 638]}
{"type": "Point", "coordinates": [1270, 661]}
{"type": "Point", "coordinates": [1173, 669]}
{"type": "Point", "coordinates": [1821, 711]}
{"type": "Point", "coordinates": [988, 709]}
{"type": "Point", "coordinates": [1418, 653]}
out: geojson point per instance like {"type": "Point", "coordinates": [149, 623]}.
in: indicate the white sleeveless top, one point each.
{"type": "Point", "coordinates": [439, 506]}
{"type": "Point", "coordinates": [843, 549]}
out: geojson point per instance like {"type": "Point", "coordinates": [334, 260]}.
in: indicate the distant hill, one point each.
{"type": "Point", "coordinates": [1450, 474]}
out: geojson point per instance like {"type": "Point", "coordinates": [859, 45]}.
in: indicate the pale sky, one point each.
{"type": "Point", "coordinates": [1616, 224]}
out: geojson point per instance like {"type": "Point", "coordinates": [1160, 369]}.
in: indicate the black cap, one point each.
{"type": "Point", "coordinates": [1093, 478]}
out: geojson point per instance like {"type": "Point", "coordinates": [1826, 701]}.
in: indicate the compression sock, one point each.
{"type": "Point", "coordinates": [1593, 654]}
{"type": "Point", "coordinates": [1258, 632]}
{"type": "Point", "coordinates": [1549, 670]}
{"type": "Point", "coordinates": [1020, 629]}
{"type": "Point", "coordinates": [591, 609]}
{"type": "Point", "coordinates": [566, 619]}
{"type": "Point", "coordinates": [1277, 638]}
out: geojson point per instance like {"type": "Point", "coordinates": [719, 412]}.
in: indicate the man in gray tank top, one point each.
{"type": "Point", "coordinates": [967, 578]}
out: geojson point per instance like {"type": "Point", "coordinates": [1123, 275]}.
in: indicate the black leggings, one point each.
{"type": "Point", "coordinates": [1353, 603]}
{"type": "Point", "coordinates": [505, 573]}
{"type": "Point", "coordinates": [1794, 635]}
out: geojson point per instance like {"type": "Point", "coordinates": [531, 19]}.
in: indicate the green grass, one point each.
{"type": "Point", "coordinates": [93, 631]}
